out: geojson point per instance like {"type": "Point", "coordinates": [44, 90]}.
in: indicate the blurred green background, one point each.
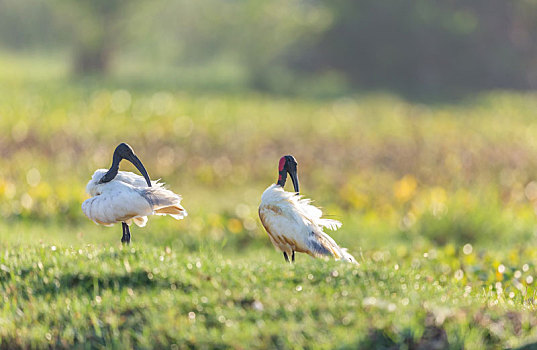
{"type": "Point", "coordinates": [419, 48]}
{"type": "Point", "coordinates": [413, 123]}
{"type": "Point", "coordinates": [393, 110]}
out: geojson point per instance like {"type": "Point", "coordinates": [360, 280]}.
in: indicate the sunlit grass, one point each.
{"type": "Point", "coordinates": [143, 296]}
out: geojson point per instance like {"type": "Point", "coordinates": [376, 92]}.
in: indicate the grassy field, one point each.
{"type": "Point", "coordinates": [435, 200]}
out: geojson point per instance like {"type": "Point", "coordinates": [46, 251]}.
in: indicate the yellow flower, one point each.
{"type": "Point", "coordinates": [405, 188]}
{"type": "Point", "coordinates": [234, 225]}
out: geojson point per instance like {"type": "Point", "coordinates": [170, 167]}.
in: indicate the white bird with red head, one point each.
{"type": "Point", "coordinates": [121, 196]}
{"type": "Point", "coordinates": [293, 224]}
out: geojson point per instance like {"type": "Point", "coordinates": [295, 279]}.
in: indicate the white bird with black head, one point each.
{"type": "Point", "coordinates": [293, 224]}
{"type": "Point", "coordinates": [121, 196]}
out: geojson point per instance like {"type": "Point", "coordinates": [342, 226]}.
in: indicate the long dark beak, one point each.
{"type": "Point", "coordinates": [294, 178]}
{"type": "Point", "coordinates": [138, 164]}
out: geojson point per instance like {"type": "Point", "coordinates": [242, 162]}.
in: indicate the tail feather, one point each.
{"type": "Point", "coordinates": [175, 211]}
{"type": "Point", "coordinates": [140, 221]}
{"type": "Point", "coordinates": [329, 246]}
{"type": "Point", "coordinates": [329, 224]}
{"type": "Point", "coordinates": [347, 257]}
{"type": "Point", "coordinates": [325, 245]}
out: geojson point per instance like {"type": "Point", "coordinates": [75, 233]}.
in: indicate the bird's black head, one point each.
{"type": "Point", "coordinates": [287, 165]}
{"type": "Point", "coordinates": [124, 151]}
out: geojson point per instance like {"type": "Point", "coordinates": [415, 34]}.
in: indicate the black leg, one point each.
{"type": "Point", "coordinates": [285, 256]}
{"type": "Point", "coordinates": [293, 256]}
{"type": "Point", "coordinates": [126, 234]}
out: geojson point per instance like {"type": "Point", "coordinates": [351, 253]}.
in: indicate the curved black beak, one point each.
{"type": "Point", "coordinates": [124, 151]}
{"type": "Point", "coordinates": [294, 178]}
{"type": "Point", "coordinates": [138, 164]}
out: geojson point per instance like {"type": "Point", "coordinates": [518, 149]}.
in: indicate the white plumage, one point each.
{"type": "Point", "coordinates": [127, 198]}
{"type": "Point", "coordinates": [293, 224]}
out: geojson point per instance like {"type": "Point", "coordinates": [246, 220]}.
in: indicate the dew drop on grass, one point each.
{"type": "Point", "coordinates": [467, 249]}
{"type": "Point", "coordinates": [257, 305]}
{"type": "Point", "coordinates": [369, 301]}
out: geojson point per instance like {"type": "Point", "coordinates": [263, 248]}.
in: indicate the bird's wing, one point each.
{"type": "Point", "coordinates": [318, 241]}
{"type": "Point", "coordinates": [311, 213]}
{"type": "Point", "coordinates": [284, 231]}
{"type": "Point", "coordinates": [163, 201]}
{"type": "Point", "coordinates": [116, 203]}
{"type": "Point", "coordinates": [294, 224]}
{"type": "Point", "coordinates": [134, 180]}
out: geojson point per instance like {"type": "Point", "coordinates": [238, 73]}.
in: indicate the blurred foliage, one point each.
{"type": "Point", "coordinates": [433, 47]}
{"type": "Point", "coordinates": [420, 47]}
{"type": "Point", "coordinates": [386, 167]}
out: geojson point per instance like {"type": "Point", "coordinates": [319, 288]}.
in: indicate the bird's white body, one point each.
{"type": "Point", "coordinates": [293, 224]}
{"type": "Point", "coordinates": [127, 198]}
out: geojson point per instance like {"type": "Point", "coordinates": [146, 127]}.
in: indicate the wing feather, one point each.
{"type": "Point", "coordinates": [286, 215]}
{"type": "Point", "coordinates": [118, 203]}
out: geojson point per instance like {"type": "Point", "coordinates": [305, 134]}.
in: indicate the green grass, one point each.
{"type": "Point", "coordinates": [416, 186]}
{"type": "Point", "coordinates": [145, 296]}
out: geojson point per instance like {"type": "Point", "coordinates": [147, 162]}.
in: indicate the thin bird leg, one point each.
{"type": "Point", "coordinates": [126, 234]}
{"type": "Point", "coordinates": [293, 256]}
{"type": "Point", "coordinates": [285, 256]}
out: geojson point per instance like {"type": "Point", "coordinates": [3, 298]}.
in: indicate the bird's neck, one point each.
{"type": "Point", "coordinates": [282, 177]}
{"type": "Point", "coordinates": [114, 169]}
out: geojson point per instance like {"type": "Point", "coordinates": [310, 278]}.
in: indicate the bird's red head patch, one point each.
{"type": "Point", "coordinates": [280, 167]}
{"type": "Point", "coordinates": [282, 163]}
